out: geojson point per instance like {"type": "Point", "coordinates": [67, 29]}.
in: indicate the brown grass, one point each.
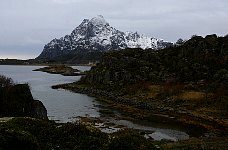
{"type": "Point", "coordinates": [154, 90]}
{"type": "Point", "coordinates": [192, 95]}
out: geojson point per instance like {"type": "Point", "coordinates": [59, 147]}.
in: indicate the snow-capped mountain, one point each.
{"type": "Point", "coordinates": [97, 35]}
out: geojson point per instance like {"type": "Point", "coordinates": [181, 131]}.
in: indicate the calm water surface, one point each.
{"type": "Point", "coordinates": [65, 106]}
{"type": "Point", "coordinates": [62, 105]}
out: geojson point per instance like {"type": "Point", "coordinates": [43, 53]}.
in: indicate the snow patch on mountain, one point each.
{"type": "Point", "coordinates": [97, 34]}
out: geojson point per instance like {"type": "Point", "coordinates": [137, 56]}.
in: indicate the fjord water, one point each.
{"type": "Point", "coordinates": [62, 105]}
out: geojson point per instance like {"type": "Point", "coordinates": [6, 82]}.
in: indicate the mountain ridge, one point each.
{"type": "Point", "coordinates": [96, 35]}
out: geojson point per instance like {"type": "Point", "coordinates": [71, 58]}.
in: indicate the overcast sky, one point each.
{"type": "Point", "coordinates": [27, 25]}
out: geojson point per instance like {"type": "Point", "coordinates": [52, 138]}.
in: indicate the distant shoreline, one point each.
{"type": "Point", "coordinates": [32, 62]}
{"type": "Point", "coordinates": [44, 64]}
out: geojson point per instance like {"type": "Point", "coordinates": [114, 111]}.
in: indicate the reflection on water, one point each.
{"type": "Point", "coordinates": [61, 105]}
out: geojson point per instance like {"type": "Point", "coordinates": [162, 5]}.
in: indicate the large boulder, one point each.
{"type": "Point", "coordinates": [17, 101]}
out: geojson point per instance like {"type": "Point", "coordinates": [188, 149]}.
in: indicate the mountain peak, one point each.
{"type": "Point", "coordinates": [98, 20]}
{"type": "Point", "coordinates": [96, 35]}
{"type": "Point", "coordinates": [85, 21]}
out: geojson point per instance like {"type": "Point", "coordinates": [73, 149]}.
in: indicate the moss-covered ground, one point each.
{"type": "Point", "coordinates": [35, 134]}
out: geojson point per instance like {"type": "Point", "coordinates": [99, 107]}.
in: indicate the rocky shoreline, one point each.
{"type": "Point", "coordinates": [206, 132]}
{"type": "Point", "coordinates": [150, 110]}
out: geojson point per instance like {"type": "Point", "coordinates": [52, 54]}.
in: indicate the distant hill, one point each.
{"type": "Point", "coordinates": [197, 59]}
{"type": "Point", "coordinates": [18, 62]}
{"type": "Point", "coordinates": [91, 38]}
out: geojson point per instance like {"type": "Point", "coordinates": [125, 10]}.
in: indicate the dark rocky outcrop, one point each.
{"type": "Point", "coordinates": [17, 101]}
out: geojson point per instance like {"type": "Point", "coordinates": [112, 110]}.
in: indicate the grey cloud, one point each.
{"type": "Point", "coordinates": [30, 24]}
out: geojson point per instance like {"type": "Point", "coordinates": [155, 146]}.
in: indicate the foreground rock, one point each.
{"type": "Point", "coordinates": [17, 101]}
{"type": "Point", "coordinates": [61, 69]}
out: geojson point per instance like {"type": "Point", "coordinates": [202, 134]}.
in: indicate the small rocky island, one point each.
{"type": "Point", "coordinates": [61, 69]}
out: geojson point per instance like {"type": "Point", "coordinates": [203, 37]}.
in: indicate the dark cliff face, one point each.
{"type": "Point", "coordinates": [17, 101]}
